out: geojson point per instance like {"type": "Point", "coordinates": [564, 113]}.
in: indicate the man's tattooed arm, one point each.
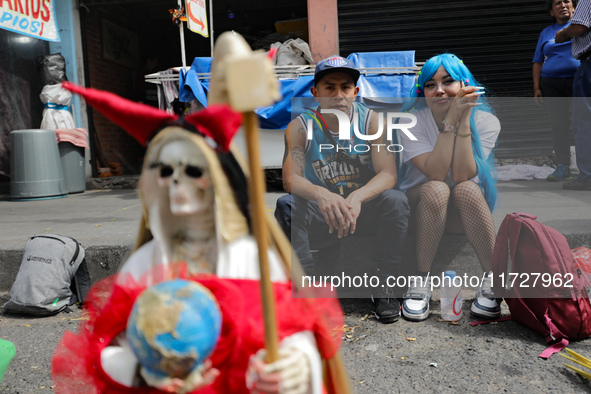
{"type": "Point", "coordinates": [294, 158]}
{"type": "Point", "coordinates": [298, 160]}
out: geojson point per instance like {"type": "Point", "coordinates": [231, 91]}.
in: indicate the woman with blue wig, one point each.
{"type": "Point", "coordinates": [448, 175]}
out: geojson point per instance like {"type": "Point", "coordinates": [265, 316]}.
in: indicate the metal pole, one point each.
{"type": "Point", "coordinates": [182, 44]}
{"type": "Point", "coordinates": [211, 25]}
{"type": "Point", "coordinates": [182, 34]}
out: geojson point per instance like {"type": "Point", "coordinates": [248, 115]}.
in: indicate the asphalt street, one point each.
{"type": "Point", "coordinates": [430, 356]}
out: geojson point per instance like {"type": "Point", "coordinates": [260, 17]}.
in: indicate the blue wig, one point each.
{"type": "Point", "coordinates": [459, 72]}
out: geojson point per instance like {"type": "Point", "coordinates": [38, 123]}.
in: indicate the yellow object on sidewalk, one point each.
{"type": "Point", "coordinates": [577, 358]}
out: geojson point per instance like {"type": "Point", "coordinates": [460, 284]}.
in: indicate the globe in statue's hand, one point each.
{"type": "Point", "coordinates": [173, 327]}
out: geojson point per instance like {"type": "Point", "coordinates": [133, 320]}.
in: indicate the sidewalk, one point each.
{"type": "Point", "coordinates": [430, 356]}
{"type": "Point", "coordinates": [106, 222]}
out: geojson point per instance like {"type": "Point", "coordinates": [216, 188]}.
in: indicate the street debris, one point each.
{"type": "Point", "coordinates": [348, 331]}
{"type": "Point", "coordinates": [455, 323]}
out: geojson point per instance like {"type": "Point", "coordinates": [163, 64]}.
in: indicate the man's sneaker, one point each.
{"type": "Point", "coordinates": [486, 305]}
{"type": "Point", "coordinates": [561, 173]}
{"type": "Point", "coordinates": [415, 306]}
{"type": "Point", "coordinates": [387, 310]}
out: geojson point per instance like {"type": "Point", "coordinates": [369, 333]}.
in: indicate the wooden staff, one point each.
{"type": "Point", "coordinates": [249, 84]}
{"type": "Point", "coordinates": [256, 190]}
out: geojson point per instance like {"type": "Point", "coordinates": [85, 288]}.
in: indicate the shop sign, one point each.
{"type": "Point", "coordinates": [197, 17]}
{"type": "Point", "coordinates": [35, 18]}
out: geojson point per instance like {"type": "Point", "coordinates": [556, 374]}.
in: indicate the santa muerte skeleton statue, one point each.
{"type": "Point", "coordinates": [196, 226]}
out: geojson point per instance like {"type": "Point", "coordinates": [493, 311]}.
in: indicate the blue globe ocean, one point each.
{"type": "Point", "coordinates": [173, 327]}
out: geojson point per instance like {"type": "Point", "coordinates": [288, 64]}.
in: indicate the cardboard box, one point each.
{"type": "Point", "coordinates": [298, 27]}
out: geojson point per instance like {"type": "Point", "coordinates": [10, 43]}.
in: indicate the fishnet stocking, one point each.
{"type": "Point", "coordinates": [428, 204]}
{"type": "Point", "coordinates": [477, 221]}
{"type": "Point", "coordinates": [434, 212]}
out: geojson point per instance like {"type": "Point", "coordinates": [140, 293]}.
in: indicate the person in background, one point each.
{"type": "Point", "coordinates": [578, 30]}
{"type": "Point", "coordinates": [339, 191]}
{"type": "Point", "coordinates": [553, 71]}
{"type": "Point", "coordinates": [448, 175]}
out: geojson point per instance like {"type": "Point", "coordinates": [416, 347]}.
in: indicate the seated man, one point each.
{"type": "Point", "coordinates": [338, 188]}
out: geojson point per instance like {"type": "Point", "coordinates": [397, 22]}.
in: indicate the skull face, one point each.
{"type": "Point", "coordinates": [183, 169]}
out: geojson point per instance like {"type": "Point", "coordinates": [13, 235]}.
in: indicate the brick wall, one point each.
{"type": "Point", "coordinates": [106, 75]}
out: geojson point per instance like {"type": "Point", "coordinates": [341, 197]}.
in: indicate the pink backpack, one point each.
{"type": "Point", "coordinates": [534, 271]}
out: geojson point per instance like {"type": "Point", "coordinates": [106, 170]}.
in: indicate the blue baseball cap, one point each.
{"type": "Point", "coordinates": [335, 64]}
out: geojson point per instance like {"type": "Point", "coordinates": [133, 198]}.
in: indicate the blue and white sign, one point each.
{"type": "Point", "coordinates": [35, 18]}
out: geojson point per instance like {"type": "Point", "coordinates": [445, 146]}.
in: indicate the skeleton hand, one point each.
{"type": "Point", "coordinates": [288, 375]}
{"type": "Point", "coordinates": [199, 378]}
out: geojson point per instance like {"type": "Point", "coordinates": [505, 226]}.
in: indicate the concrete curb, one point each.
{"type": "Point", "coordinates": [102, 261]}
{"type": "Point", "coordinates": [454, 253]}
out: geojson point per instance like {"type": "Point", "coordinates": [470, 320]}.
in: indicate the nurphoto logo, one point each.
{"type": "Point", "coordinates": [386, 120]}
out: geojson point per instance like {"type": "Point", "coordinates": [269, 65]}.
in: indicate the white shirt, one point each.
{"type": "Point", "coordinates": [582, 16]}
{"type": "Point", "coordinates": [426, 132]}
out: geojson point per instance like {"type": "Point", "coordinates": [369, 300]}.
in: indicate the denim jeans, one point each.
{"type": "Point", "coordinates": [385, 218]}
{"type": "Point", "coordinates": [558, 106]}
{"type": "Point", "coordinates": [581, 119]}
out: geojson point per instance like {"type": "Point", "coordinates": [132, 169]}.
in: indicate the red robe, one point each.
{"type": "Point", "coordinates": [76, 366]}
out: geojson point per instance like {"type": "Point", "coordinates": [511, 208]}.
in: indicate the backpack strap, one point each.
{"type": "Point", "coordinates": [513, 232]}
{"type": "Point", "coordinates": [550, 350]}
{"type": "Point", "coordinates": [554, 348]}
{"type": "Point", "coordinates": [558, 339]}
{"type": "Point", "coordinates": [504, 250]}
{"type": "Point", "coordinates": [81, 283]}
{"type": "Point", "coordinates": [525, 215]}
{"type": "Point", "coordinates": [500, 319]}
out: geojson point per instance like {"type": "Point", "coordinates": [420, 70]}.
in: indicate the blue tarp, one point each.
{"type": "Point", "coordinates": [385, 85]}
{"type": "Point", "coordinates": [190, 87]}
{"type": "Point", "coordinates": [278, 115]}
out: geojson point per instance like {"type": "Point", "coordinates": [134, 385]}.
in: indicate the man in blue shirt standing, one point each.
{"type": "Point", "coordinates": [553, 71]}
{"type": "Point", "coordinates": [581, 118]}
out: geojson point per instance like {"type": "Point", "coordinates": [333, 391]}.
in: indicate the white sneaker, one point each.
{"type": "Point", "coordinates": [486, 305]}
{"type": "Point", "coordinates": [415, 306]}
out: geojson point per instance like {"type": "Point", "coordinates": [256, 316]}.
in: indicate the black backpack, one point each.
{"type": "Point", "coordinates": [53, 275]}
